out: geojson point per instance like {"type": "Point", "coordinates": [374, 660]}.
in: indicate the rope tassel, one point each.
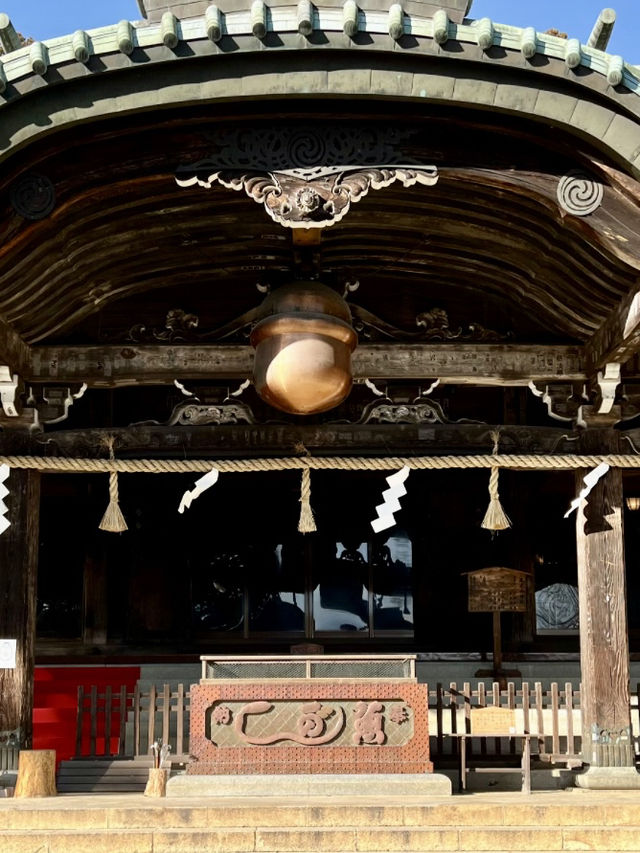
{"type": "Point", "coordinates": [495, 517]}
{"type": "Point", "coordinates": [113, 519]}
{"type": "Point", "coordinates": [307, 523]}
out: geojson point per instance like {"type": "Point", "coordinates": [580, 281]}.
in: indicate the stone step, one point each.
{"type": "Point", "coordinates": [95, 776]}
{"type": "Point", "coordinates": [138, 812]}
{"type": "Point", "coordinates": [326, 840]}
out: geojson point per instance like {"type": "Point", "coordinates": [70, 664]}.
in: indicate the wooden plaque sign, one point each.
{"type": "Point", "coordinates": [497, 589]}
{"type": "Point", "coordinates": [493, 720]}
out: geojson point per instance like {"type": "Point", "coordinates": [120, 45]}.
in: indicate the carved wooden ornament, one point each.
{"type": "Point", "coordinates": [317, 202]}
{"type": "Point", "coordinates": [307, 176]}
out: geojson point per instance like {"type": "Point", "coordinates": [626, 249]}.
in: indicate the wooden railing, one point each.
{"type": "Point", "coordinates": [552, 714]}
{"type": "Point", "coordinates": [125, 724]}
{"type": "Point", "coordinates": [122, 724]}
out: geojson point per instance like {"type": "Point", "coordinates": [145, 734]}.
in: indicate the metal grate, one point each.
{"type": "Point", "coordinates": [256, 670]}
{"type": "Point", "coordinates": [344, 667]}
{"type": "Point", "coordinates": [361, 669]}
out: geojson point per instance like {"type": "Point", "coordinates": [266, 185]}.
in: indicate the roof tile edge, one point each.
{"type": "Point", "coordinates": [485, 33]}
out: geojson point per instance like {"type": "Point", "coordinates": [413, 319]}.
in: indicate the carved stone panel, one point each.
{"type": "Point", "coordinates": [341, 727]}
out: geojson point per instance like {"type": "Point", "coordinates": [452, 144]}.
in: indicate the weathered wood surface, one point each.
{"type": "Point", "coordinates": [36, 773]}
{"type": "Point", "coordinates": [452, 363]}
{"type": "Point", "coordinates": [13, 350]}
{"type": "Point", "coordinates": [604, 643]}
{"type": "Point", "coordinates": [497, 261]}
{"type": "Point", "coordinates": [281, 439]}
{"type": "Point", "coordinates": [18, 578]}
{"type": "Point", "coordinates": [157, 783]}
{"type": "Point", "coordinates": [618, 339]}
{"type": "Point", "coordinates": [547, 712]}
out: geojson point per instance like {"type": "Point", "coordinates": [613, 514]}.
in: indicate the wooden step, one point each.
{"type": "Point", "coordinates": [95, 776]}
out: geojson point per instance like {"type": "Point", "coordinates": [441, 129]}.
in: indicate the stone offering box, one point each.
{"type": "Point", "coordinates": [309, 715]}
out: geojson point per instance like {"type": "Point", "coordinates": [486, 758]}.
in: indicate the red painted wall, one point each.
{"type": "Point", "coordinates": [56, 700]}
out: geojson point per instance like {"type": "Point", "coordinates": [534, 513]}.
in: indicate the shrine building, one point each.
{"type": "Point", "coordinates": [257, 258]}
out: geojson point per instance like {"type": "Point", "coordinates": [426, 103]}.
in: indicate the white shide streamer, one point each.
{"type": "Point", "coordinates": [199, 487]}
{"type": "Point", "coordinates": [4, 491]}
{"type": "Point", "coordinates": [391, 497]}
{"type": "Point", "coordinates": [589, 482]}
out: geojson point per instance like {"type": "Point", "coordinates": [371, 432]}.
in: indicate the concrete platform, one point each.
{"type": "Point", "coordinates": [130, 823]}
{"type": "Point", "coordinates": [317, 785]}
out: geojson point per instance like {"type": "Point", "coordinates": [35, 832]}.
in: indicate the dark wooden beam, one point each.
{"type": "Point", "coordinates": [13, 350]}
{"type": "Point", "coordinates": [604, 642]}
{"type": "Point", "coordinates": [18, 578]}
{"type": "Point", "coordinates": [286, 438]}
{"type": "Point", "coordinates": [618, 339]}
{"type": "Point", "coordinates": [452, 363]}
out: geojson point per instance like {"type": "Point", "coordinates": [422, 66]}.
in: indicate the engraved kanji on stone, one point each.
{"type": "Point", "coordinates": [222, 715]}
{"type": "Point", "coordinates": [398, 714]}
{"type": "Point", "coordinates": [369, 723]}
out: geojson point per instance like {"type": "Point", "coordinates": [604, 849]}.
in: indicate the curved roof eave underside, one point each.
{"type": "Point", "coordinates": [486, 235]}
{"type": "Point", "coordinates": [130, 68]}
{"type": "Point", "coordinates": [459, 245]}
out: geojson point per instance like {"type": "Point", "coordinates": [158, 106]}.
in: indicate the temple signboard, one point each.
{"type": "Point", "coordinates": [497, 589]}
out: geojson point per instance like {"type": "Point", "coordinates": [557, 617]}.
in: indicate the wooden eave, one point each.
{"type": "Point", "coordinates": [489, 243]}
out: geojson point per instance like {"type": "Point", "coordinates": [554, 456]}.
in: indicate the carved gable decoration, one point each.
{"type": "Point", "coordinates": [497, 589]}
{"type": "Point", "coordinates": [306, 176]}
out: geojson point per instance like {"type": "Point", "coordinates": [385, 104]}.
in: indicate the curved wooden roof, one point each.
{"type": "Point", "coordinates": [489, 243]}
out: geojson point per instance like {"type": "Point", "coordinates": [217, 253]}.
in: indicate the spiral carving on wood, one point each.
{"type": "Point", "coordinates": [579, 194]}
{"type": "Point", "coordinates": [33, 196]}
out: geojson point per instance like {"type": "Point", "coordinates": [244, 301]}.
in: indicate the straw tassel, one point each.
{"type": "Point", "coordinates": [306, 523]}
{"type": "Point", "coordinates": [495, 517]}
{"type": "Point", "coordinates": [113, 519]}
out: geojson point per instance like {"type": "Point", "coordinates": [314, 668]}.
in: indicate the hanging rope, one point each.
{"type": "Point", "coordinates": [113, 519]}
{"type": "Point", "coordinates": [307, 522]}
{"type": "Point", "coordinates": [523, 462]}
{"type": "Point", "coordinates": [495, 517]}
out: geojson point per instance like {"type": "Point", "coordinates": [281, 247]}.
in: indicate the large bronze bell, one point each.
{"type": "Point", "coordinates": [303, 342]}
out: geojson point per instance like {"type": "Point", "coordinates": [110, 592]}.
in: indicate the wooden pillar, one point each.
{"type": "Point", "coordinates": [18, 581]}
{"type": "Point", "coordinates": [604, 644]}
{"type": "Point", "coordinates": [94, 600]}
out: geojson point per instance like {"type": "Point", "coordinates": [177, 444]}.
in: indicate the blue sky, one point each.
{"type": "Point", "coordinates": [43, 19]}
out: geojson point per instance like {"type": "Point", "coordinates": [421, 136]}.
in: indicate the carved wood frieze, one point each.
{"type": "Point", "coordinates": [316, 202]}
{"type": "Point", "coordinates": [420, 411]}
{"type": "Point", "coordinates": [307, 176]}
{"type": "Point", "coordinates": [432, 325]}
{"type": "Point", "coordinates": [197, 414]}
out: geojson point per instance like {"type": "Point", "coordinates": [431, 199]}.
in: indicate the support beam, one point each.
{"type": "Point", "coordinates": [618, 339]}
{"type": "Point", "coordinates": [279, 439]}
{"type": "Point", "coordinates": [460, 364]}
{"type": "Point", "coordinates": [13, 350]}
{"type": "Point", "coordinates": [604, 647]}
{"type": "Point", "coordinates": [18, 580]}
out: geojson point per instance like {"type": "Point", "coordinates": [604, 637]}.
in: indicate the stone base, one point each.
{"type": "Point", "coordinates": [357, 785]}
{"type": "Point", "coordinates": [609, 779]}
